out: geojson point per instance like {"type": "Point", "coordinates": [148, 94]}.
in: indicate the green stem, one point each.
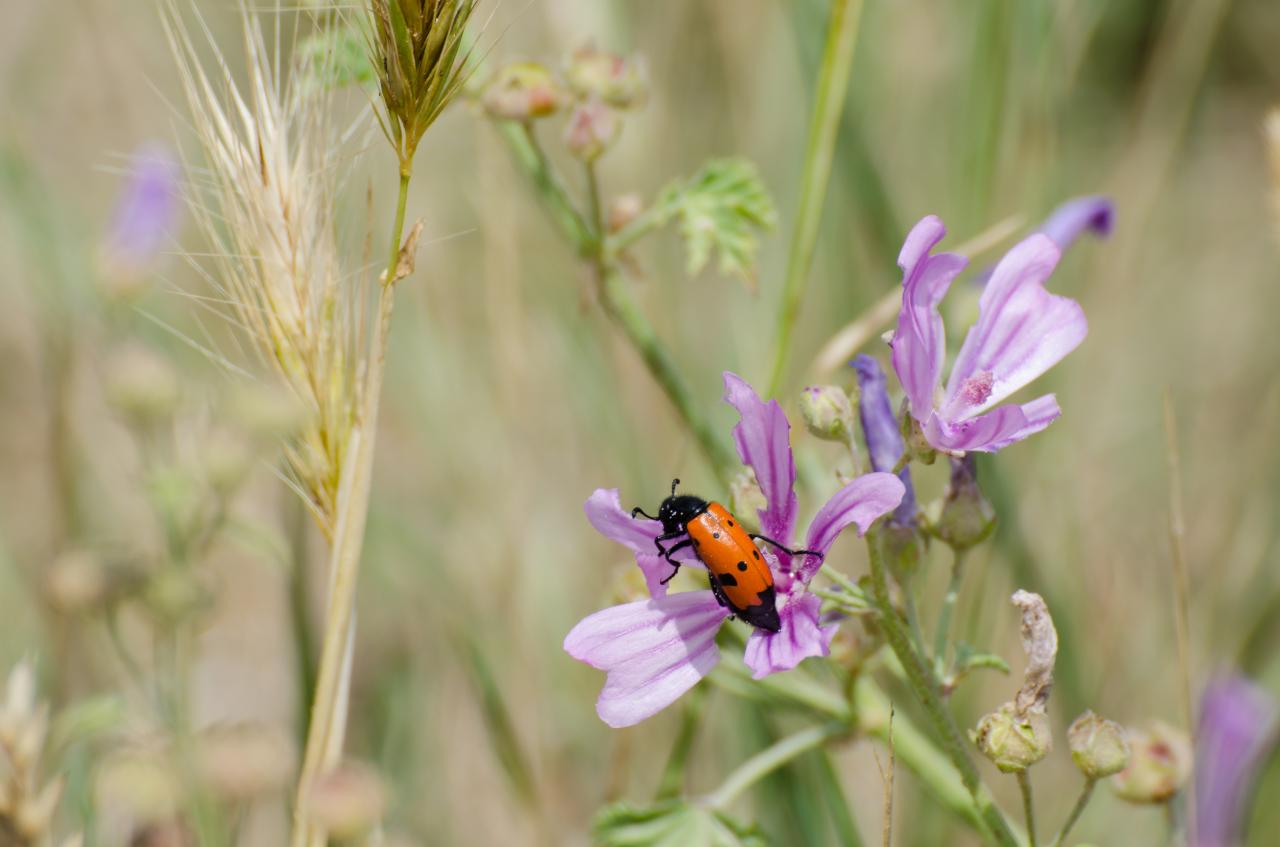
{"type": "Point", "coordinates": [327, 729]}
{"type": "Point", "coordinates": [767, 761]}
{"type": "Point", "coordinates": [948, 607]}
{"type": "Point", "coordinates": [1028, 806]}
{"type": "Point", "coordinates": [843, 825]}
{"type": "Point", "coordinates": [925, 687]}
{"type": "Point", "coordinates": [672, 782]}
{"type": "Point", "coordinates": [551, 190]}
{"type": "Point", "coordinates": [833, 84]}
{"type": "Point", "coordinates": [1085, 795]}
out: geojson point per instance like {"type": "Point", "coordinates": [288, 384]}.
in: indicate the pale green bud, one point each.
{"type": "Point", "coordinates": [827, 412]}
{"type": "Point", "coordinates": [1013, 743]}
{"type": "Point", "coordinates": [1159, 765]}
{"type": "Point", "coordinates": [141, 384]}
{"type": "Point", "coordinates": [592, 129]}
{"type": "Point", "coordinates": [746, 499]}
{"type": "Point", "coordinates": [595, 74]}
{"type": "Point", "coordinates": [917, 446]}
{"type": "Point", "coordinates": [1098, 746]}
{"type": "Point", "coordinates": [522, 91]}
{"type": "Point", "coordinates": [967, 518]}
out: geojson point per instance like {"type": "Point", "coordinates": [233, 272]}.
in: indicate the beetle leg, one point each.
{"type": "Point", "coordinates": [657, 542]}
{"type": "Point", "coordinates": [788, 550]}
{"type": "Point", "coordinates": [717, 590]}
{"type": "Point", "coordinates": [666, 554]}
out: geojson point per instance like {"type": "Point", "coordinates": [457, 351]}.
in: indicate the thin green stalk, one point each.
{"type": "Point", "coordinates": [1028, 806]}
{"type": "Point", "coordinates": [843, 824]}
{"type": "Point", "coordinates": [766, 761]}
{"type": "Point", "coordinates": [925, 687]}
{"type": "Point", "coordinates": [833, 84]}
{"type": "Point", "coordinates": [327, 729]}
{"type": "Point", "coordinates": [1085, 795]}
{"type": "Point", "coordinates": [948, 607]}
{"type": "Point", "coordinates": [528, 154]}
{"type": "Point", "coordinates": [672, 782]}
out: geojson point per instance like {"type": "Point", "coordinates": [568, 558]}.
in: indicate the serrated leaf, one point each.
{"type": "Point", "coordinates": [722, 209]}
{"type": "Point", "coordinates": [334, 58]}
{"type": "Point", "coordinates": [672, 824]}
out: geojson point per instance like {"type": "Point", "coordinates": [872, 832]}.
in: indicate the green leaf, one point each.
{"type": "Point", "coordinates": [672, 824]}
{"type": "Point", "coordinates": [968, 659]}
{"type": "Point", "coordinates": [722, 209]}
{"type": "Point", "coordinates": [334, 58]}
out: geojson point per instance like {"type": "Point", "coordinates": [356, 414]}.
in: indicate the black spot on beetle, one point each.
{"type": "Point", "coordinates": [730, 523]}
{"type": "Point", "coordinates": [715, 535]}
{"type": "Point", "coordinates": [755, 553]}
{"type": "Point", "coordinates": [742, 566]}
{"type": "Point", "coordinates": [728, 579]}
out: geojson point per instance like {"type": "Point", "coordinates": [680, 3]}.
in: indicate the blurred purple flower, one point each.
{"type": "Point", "coordinates": [1095, 213]}
{"type": "Point", "coordinates": [1022, 331]}
{"type": "Point", "coordinates": [882, 432]}
{"type": "Point", "coordinates": [655, 650]}
{"type": "Point", "coordinates": [1238, 723]}
{"type": "Point", "coordinates": [147, 210]}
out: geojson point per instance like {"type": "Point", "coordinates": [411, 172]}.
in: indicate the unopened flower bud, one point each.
{"type": "Point", "coordinates": [1011, 742]}
{"type": "Point", "coordinates": [175, 595]}
{"type": "Point", "coordinates": [592, 129]}
{"type": "Point", "coordinates": [522, 91]}
{"type": "Point", "coordinates": [225, 459]}
{"type": "Point", "coordinates": [75, 582]}
{"type": "Point", "coordinates": [916, 445]}
{"type": "Point", "coordinates": [245, 762]}
{"type": "Point", "coordinates": [827, 412]}
{"type": "Point", "coordinates": [903, 545]}
{"type": "Point", "coordinates": [347, 802]}
{"type": "Point", "coordinates": [967, 517]}
{"type": "Point", "coordinates": [1098, 746]}
{"type": "Point", "coordinates": [746, 498]}
{"type": "Point", "coordinates": [1159, 765]}
{"type": "Point", "coordinates": [596, 74]}
{"type": "Point", "coordinates": [141, 384]}
{"type": "Point", "coordinates": [624, 209]}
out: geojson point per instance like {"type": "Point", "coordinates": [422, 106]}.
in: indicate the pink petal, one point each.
{"type": "Point", "coordinates": [763, 437]}
{"type": "Point", "coordinates": [861, 502]}
{"type": "Point", "coordinates": [605, 512]}
{"type": "Point", "coordinates": [801, 636]}
{"type": "Point", "coordinates": [653, 651]}
{"type": "Point", "coordinates": [1078, 215]}
{"type": "Point", "coordinates": [919, 343]}
{"type": "Point", "coordinates": [994, 430]}
{"type": "Point", "coordinates": [1021, 332]}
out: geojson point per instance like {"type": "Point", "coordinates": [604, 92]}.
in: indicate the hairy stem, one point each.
{"type": "Point", "coordinates": [767, 761]}
{"type": "Point", "coordinates": [327, 730]}
{"type": "Point", "coordinates": [833, 84]}
{"type": "Point", "coordinates": [1085, 795]}
{"type": "Point", "coordinates": [925, 688]}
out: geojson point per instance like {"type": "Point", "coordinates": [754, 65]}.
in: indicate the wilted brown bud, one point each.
{"type": "Point", "coordinates": [1159, 765]}
{"type": "Point", "coordinates": [592, 129]}
{"type": "Point", "coordinates": [827, 412]}
{"type": "Point", "coordinates": [522, 91]}
{"type": "Point", "coordinates": [1040, 643]}
{"type": "Point", "coordinates": [1013, 743]}
{"type": "Point", "coordinates": [967, 517]}
{"type": "Point", "coordinates": [1098, 746]}
{"type": "Point", "coordinates": [595, 74]}
{"type": "Point", "coordinates": [347, 802]}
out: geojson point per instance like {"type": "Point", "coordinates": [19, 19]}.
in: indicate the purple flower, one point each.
{"type": "Point", "coordinates": [880, 427]}
{"type": "Point", "coordinates": [146, 211]}
{"type": "Point", "coordinates": [1071, 219]}
{"type": "Point", "coordinates": [654, 650]}
{"type": "Point", "coordinates": [1022, 331]}
{"type": "Point", "coordinates": [1238, 721]}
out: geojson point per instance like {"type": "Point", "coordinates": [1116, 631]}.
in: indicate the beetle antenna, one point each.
{"type": "Point", "coordinates": [674, 483]}
{"type": "Point", "coordinates": [638, 510]}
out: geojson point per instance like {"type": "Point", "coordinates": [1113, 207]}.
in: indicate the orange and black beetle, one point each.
{"type": "Point", "coordinates": [740, 577]}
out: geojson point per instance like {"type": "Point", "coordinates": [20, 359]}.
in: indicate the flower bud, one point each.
{"type": "Point", "coordinates": [903, 546]}
{"type": "Point", "coordinates": [827, 412]}
{"type": "Point", "coordinates": [522, 91]}
{"type": "Point", "coordinates": [225, 459]}
{"type": "Point", "coordinates": [175, 595]}
{"type": "Point", "coordinates": [595, 74]}
{"type": "Point", "coordinates": [746, 498]}
{"type": "Point", "coordinates": [916, 445]}
{"type": "Point", "coordinates": [623, 210]}
{"type": "Point", "coordinates": [347, 802]}
{"type": "Point", "coordinates": [1098, 746]}
{"type": "Point", "coordinates": [141, 384]}
{"type": "Point", "coordinates": [246, 761]}
{"type": "Point", "coordinates": [75, 582]}
{"type": "Point", "coordinates": [592, 129]}
{"type": "Point", "coordinates": [967, 517]}
{"type": "Point", "coordinates": [1159, 765]}
{"type": "Point", "coordinates": [1013, 743]}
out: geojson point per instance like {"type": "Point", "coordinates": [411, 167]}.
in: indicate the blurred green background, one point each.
{"type": "Point", "coordinates": [510, 398]}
